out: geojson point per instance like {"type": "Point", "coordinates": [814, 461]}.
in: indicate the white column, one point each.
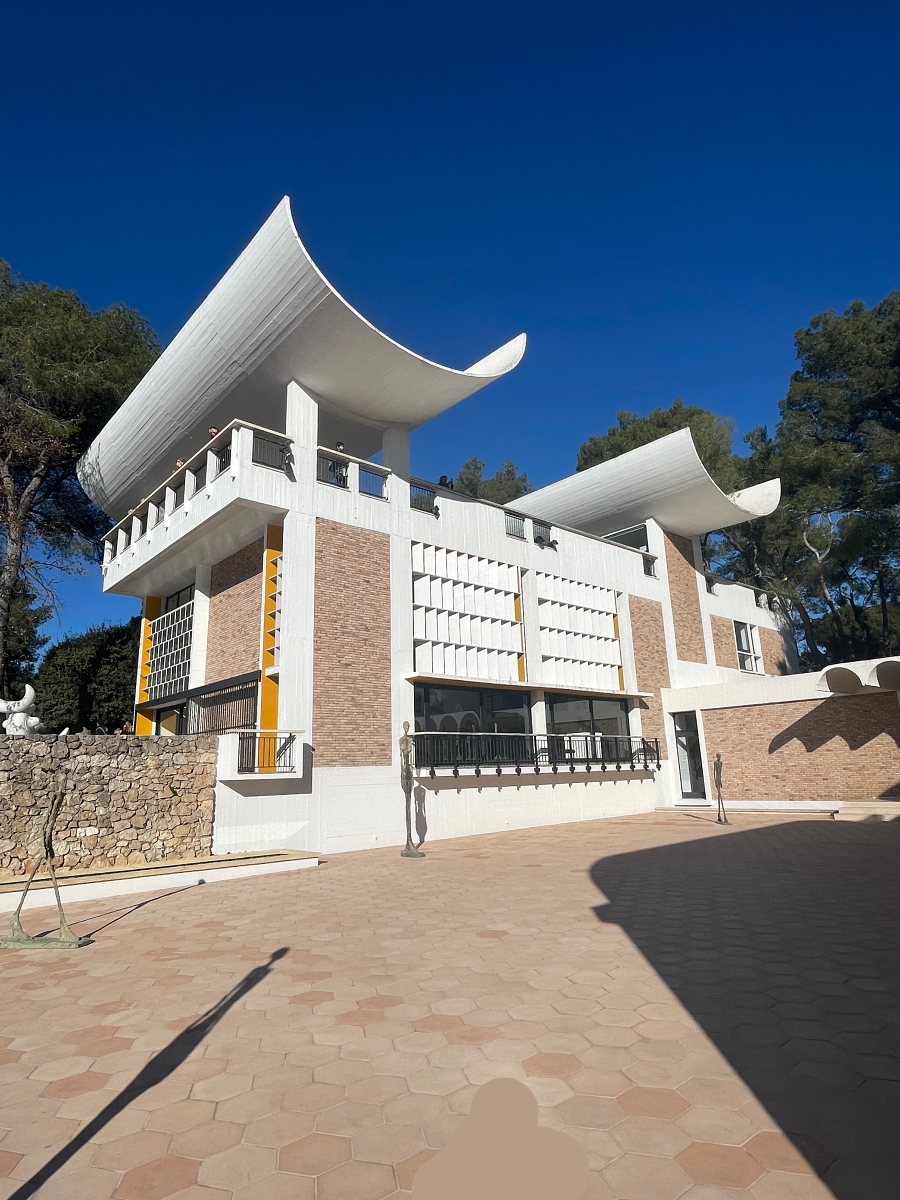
{"type": "Point", "coordinates": [298, 569]}
{"type": "Point", "coordinates": [200, 627]}
{"type": "Point", "coordinates": [395, 450]}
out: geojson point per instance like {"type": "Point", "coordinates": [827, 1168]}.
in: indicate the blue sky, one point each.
{"type": "Point", "coordinates": [657, 194]}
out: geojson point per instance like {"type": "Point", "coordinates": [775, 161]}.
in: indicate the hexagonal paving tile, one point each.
{"type": "Point", "coordinates": [314, 1154]}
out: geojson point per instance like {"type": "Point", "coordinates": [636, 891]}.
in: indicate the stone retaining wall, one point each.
{"type": "Point", "coordinates": [130, 800]}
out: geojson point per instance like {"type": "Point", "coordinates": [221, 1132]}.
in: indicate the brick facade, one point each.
{"type": "Point", "coordinates": [839, 748]}
{"type": "Point", "coordinates": [724, 642]}
{"type": "Point", "coordinates": [689, 643]}
{"type": "Point", "coordinates": [131, 800]}
{"type": "Point", "coordinates": [649, 640]}
{"type": "Point", "coordinates": [771, 647]}
{"type": "Point", "coordinates": [235, 614]}
{"type": "Point", "coordinates": [352, 647]}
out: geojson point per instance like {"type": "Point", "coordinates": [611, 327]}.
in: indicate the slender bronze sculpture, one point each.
{"type": "Point", "coordinates": [18, 939]}
{"type": "Point", "coordinates": [722, 818]}
{"type": "Point", "coordinates": [406, 782]}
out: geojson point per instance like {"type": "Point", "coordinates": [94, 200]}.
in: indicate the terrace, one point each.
{"type": "Point", "coordinates": [207, 508]}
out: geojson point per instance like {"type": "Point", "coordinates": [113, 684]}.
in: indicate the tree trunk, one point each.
{"type": "Point", "coordinates": [18, 511]}
{"type": "Point", "coordinates": [811, 643]}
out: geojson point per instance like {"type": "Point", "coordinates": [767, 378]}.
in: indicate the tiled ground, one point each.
{"type": "Point", "coordinates": [611, 966]}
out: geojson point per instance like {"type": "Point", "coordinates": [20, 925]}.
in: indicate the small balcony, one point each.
{"type": "Point", "coordinates": [278, 756]}
{"type": "Point", "coordinates": [340, 470]}
{"type": "Point", "coordinates": [241, 479]}
{"type": "Point", "coordinates": [533, 752]}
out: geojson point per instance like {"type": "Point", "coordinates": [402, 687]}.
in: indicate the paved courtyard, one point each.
{"type": "Point", "coordinates": [711, 1012]}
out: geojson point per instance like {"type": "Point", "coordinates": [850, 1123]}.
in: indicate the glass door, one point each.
{"type": "Point", "coordinates": [690, 758]}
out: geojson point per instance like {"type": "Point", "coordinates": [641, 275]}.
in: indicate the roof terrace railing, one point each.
{"type": "Point", "coordinates": [268, 448]}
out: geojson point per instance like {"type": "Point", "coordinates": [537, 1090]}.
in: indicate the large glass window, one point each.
{"type": "Point", "coordinates": [471, 710]}
{"type": "Point", "coordinates": [178, 598]}
{"type": "Point", "coordinates": [587, 714]}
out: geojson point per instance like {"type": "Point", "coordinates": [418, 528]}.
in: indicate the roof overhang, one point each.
{"type": "Point", "coordinates": [272, 319]}
{"type": "Point", "coordinates": [664, 481]}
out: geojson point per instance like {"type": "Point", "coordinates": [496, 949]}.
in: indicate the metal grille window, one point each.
{"type": "Point", "coordinates": [269, 453]}
{"type": "Point", "coordinates": [515, 526]}
{"type": "Point", "coordinates": [371, 483]}
{"type": "Point", "coordinates": [422, 498]}
{"type": "Point", "coordinates": [543, 534]}
{"type": "Point", "coordinates": [199, 479]}
{"type": "Point", "coordinates": [222, 709]}
{"type": "Point", "coordinates": [333, 469]}
{"type": "Point", "coordinates": [223, 458]}
{"type": "Point", "coordinates": [170, 651]}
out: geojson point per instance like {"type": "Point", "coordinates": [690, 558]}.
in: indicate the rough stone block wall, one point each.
{"type": "Point", "coordinates": [839, 748]}
{"type": "Point", "coordinates": [772, 648]}
{"type": "Point", "coordinates": [652, 665]}
{"type": "Point", "coordinates": [724, 642]}
{"type": "Point", "coordinates": [352, 647]}
{"type": "Point", "coordinates": [235, 614]}
{"type": "Point", "coordinates": [130, 800]}
{"type": "Point", "coordinates": [689, 643]}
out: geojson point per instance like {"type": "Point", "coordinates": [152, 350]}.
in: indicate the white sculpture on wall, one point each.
{"type": "Point", "coordinates": [19, 722]}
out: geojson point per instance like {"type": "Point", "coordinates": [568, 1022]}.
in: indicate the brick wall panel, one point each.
{"type": "Point", "coordinates": [772, 647]}
{"type": "Point", "coordinates": [724, 643]}
{"type": "Point", "coordinates": [352, 647]}
{"type": "Point", "coordinates": [839, 748]}
{"type": "Point", "coordinates": [689, 643]}
{"type": "Point", "coordinates": [651, 663]}
{"type": "Point", "coordinates": [235, 614]}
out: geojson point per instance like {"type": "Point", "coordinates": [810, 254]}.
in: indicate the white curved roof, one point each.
{"type": "Point", "coordinates": [273, 318]}
{"type": "Point", "coordinates": [664, 480]}
{"type": "Point", "coordinates": [850, 678]}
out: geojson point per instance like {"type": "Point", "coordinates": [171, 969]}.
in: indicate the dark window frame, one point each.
{"type": "Point", "coordinates": [423, 714]}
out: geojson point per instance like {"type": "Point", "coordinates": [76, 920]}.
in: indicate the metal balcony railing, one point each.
{"type": "Point", "coordinates": [266, 752]}
{"type": "Point", "coordinates": [495, 751]}
{"type": "Point", "coordinates": [422, 498]}
{"type": "Point", "coordinates": [331, 468]}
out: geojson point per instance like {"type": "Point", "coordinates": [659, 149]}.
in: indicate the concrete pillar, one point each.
{"type": "Point", "coordinates": [200, 628]}
{"type": "Point", "coordinates": [395, 450]}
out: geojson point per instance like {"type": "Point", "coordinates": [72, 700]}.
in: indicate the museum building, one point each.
{"type": "Point", "coordinates": [305, 595]}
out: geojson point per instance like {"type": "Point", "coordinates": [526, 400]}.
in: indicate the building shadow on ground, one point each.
{"type": "Point", "coordinates": [782, 943]}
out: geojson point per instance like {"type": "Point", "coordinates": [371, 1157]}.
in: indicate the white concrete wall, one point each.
{"type": "Point", "coordinates": [356, 808]}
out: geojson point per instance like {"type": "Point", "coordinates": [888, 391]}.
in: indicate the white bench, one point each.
{"type": "Point", "coordinates": [773, 806]}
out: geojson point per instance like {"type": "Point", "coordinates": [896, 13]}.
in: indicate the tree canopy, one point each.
{"type": "Point", "coordinates": [505, 486]}
{"type": "Point", "coordinates": [89, 679]}
{"type": "Point", "coordinates": [64, 370]}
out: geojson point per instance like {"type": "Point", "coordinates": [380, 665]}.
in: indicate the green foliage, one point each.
{"type": "Point", "coordinates": [25, 639]}
{"type": "Point", "coordinates": [89, 679]}
{"type": "Point", "coordinates": [64, 370]}
{"type": "Point", "coordinates": [504, 487]}
{"type": "Point", "coordinates": [712, 435]}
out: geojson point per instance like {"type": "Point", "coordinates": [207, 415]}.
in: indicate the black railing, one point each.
{"type": "Point", "coordinates": [265, 752]}
{"type": "Point", "coordinates": [223, 458]}
{"type": "Point", "coordinates": [575, 751]}
{"type": "Point", "coordinates": [269, 453]}
{"type": "Point", "coordinates": [333, 469]}
{"type": "Point", "coordinates": [422, 498]}
{"type": "Point", "coordinates": [371, 483]}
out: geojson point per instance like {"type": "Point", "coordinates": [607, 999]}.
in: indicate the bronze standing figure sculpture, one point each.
{"type": "Point", "coordinates": [722, 818]}
{"type": "Point", "coordinates": [406, 782]}
{"type": "Point", "coordinates": [18, 939]}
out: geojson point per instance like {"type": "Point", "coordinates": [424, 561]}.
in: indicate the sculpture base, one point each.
{"type": "Point", "coordinates": [44, 943]}
{"type": "Point", "coordinates": [411, 852]}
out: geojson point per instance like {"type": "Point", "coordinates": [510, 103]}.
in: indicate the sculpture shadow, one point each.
{"type": "Point", "coordinates": [160, 1067]}
{"type": "Point", "coordinates": [782, 943]}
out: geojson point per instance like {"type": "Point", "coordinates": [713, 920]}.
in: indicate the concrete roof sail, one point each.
{"type": "Point", "coordinates": [273, 318]}
{"type": "Point", "coordinates": [664, 480]}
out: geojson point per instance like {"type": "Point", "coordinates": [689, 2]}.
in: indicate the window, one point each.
{"type": "Point", "coordinates": [587, 714]}
{"type": "Point", "coordinates": [749, 658]}
{"type": "Point", "coordinates": [178, 598]}
{"type": "Point", "coordinates": [471, 710]}
{"type": "Point", "coordinates": [515, 526]}
{"type": "Point", "coordinates": [543, 534]}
